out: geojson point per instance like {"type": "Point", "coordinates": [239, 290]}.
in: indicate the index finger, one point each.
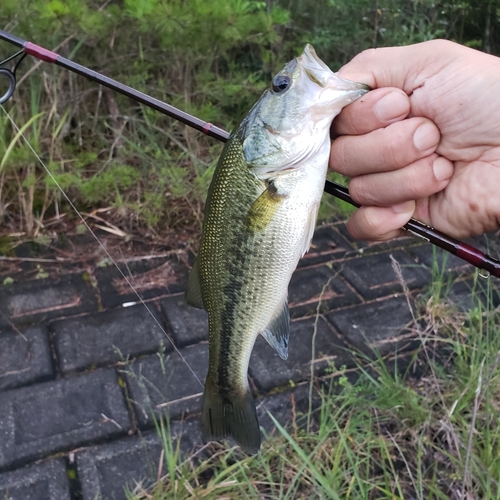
{"type": "Point", "coordinates": [406, 68]}
{"type": "Point", "coordinates": [377, 109]}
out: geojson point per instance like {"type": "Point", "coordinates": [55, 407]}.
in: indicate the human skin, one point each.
{"type": "Point", "coordinates": [425, 143]}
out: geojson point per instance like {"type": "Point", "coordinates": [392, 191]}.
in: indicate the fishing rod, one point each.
{"type": "Point", "coordinates": [487, 264]}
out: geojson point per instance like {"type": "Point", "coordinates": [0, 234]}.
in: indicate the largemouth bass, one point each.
{"type": "Point", "coordinates": [259, 220]}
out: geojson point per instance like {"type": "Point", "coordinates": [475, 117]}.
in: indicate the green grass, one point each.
{"type": "Point", "coordinates": [430, 431]}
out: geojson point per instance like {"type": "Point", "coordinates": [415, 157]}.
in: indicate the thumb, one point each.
{"type": "Point", "coordinates": [406, 68]}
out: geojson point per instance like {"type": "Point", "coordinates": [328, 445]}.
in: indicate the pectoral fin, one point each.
{"type": "Point", "coordinates": [309, 229]}
{"type": "Point", "coordinates": [263, 209]}
{"type": "Point", "coordinates": [277, 332]}
{"type": "Point", "coordinates": [193, 289]}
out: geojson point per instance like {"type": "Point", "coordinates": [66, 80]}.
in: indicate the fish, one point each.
{"type": "Point", "coordinates": [259, 220]}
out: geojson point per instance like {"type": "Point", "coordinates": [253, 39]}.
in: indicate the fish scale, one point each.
{"type": "Point", "coordinates": [259, 219]}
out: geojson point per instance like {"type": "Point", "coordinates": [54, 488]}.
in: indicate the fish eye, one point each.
{"type": "Point", "coordinates": [280, 83]}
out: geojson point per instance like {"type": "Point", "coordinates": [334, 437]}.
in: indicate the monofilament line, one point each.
{"type": "Point", "coordinates": [54, 180]}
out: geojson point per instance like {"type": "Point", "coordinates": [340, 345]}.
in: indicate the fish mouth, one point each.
{"type": "Point", "coordinates": [319, 73]}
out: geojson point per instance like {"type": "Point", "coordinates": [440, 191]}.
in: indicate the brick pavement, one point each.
{"type": "Point", "coordinates": [83, 378]}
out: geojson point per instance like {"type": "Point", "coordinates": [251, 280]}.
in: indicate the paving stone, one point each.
{"type": "Point", "coordinates": [487, 243]}
{"type": "Point", "coordinates": [469, 294]}
{"type": "Point", "coordinates": [108, 337]}
{"type": "Point", "coordinates": [383, 326]}
{"type": "Point", "coordinates": [285, 407]}
{"type": "Point", "coordinates": [373, 276]}
{"type": "Point", "coordinates": [166, 380]}
{"type": "Point", "coordinates": [431, 256]}
{"type": "Point", "coordinates": [24, 357]}
{"type": "Point", "coordinates": [44, 481]}
{"type": "Point", "coordinates": [28, 266]}
{"type": "Point", "coordinates": [35, 300]}
{"type": "Point", "coordinates": [308, 284]}
{"type": "Point", "coordinates": [268, 370]}
{"type": "Point", "coordinates": [59, 415]}
{"type": "Point", "coordinates": [187, 324]}
{"type": "Point", "coordinates": [105, 471]}
{"type": "Point", "coordinates": [151, 278]}
{"type": "Point", "coordinates": [365, 247]}
{"type": "Point", "coordinates": [327, 244]}
{"type": "Point", "coordinates": [462, 294]}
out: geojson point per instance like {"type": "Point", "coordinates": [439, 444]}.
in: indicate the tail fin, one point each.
{"type": "Point", "coordinates": [230, 417]}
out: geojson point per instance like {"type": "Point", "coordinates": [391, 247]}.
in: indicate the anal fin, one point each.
{"type": "Point", "coordinates": [193, 288]}
{"type": "Point", "coordinates": [277, 332]}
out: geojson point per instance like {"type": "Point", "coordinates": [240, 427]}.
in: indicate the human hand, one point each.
{"type": "Point", "coordinates": [425, 143]}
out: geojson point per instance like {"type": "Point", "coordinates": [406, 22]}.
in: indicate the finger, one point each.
{"type": "Point", "coordinates": [386, 149]}
{"type": "Point", "coordinates": [380, 223]}
{"type": "Point", "coordinates": [375, 110]}
{"type": "Point", "coordinates": [406, 68]}
{"type": "Point", "coordinates": [421, 179]}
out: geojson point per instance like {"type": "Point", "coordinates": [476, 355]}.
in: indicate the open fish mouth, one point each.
{"type": "Point", "coordinates": [314, 67]}
{"type": "Point", "coordinates": [319, 73]}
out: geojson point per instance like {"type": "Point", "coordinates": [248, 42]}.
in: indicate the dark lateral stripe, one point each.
{"type": "Point", "coordinates": [232, 292]}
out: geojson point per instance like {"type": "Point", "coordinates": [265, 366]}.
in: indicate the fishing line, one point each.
{"type": "Point", "coordinates": [54, 180]}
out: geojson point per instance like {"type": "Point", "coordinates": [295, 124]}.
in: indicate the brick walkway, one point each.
{"type": "Point", "coordinates": [81, 375]}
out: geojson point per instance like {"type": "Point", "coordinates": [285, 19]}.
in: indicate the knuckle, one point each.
{"type": "Point", "coordinates": [441, 45]}
{"type": "Point", "coordinates": [360, 191]}
{"type": "Point", "coordinates": [371, 222]}
{"type": "Point", "coordinates": [353, 123]}
{"type": "Point", "coordinates": [420, 181]}
{"type": "Point", "coordinates": [417, 180]}
{"type": "Point", "coordinates": [338, 161]}
{"type": "Point", "coordinates": [392, 155]}
{"type": "Point", "coordinates": [415, 184]}
{"type": "Point", "coordinates": [397, 145]}
{"type": "Point", "coordinates": [366, 224]}
{"type": "Point", "coordinates": [366, 55]}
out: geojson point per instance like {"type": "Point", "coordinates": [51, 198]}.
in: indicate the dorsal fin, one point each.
{"type": "Point", "coordinates": [277, 332]}
{"type": "Point", "coordinates": [193, 288]}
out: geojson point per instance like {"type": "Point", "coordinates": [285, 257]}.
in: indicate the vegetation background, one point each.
{"type": "Point", "coordinates": [387, 434]}
{"type": "Point", "coordinates": [211, 58]}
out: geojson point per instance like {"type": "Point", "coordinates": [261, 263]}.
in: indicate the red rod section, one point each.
{"type": "Point", "coordinates": [478, 259]}
{"type": "Point", "coordinates": [462, 250]}
{"type": "Point", "coordinates": [40, 53]}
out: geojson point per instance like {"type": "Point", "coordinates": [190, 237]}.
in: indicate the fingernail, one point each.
{"type": "Point", "coordinates": [405, 207]}
{"type": "Point", "coordinates": [443, 168]}
{"type": "Point", "coordinates": [426, 137]}
{"type": "Point", "coordinates": [392, 106]}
